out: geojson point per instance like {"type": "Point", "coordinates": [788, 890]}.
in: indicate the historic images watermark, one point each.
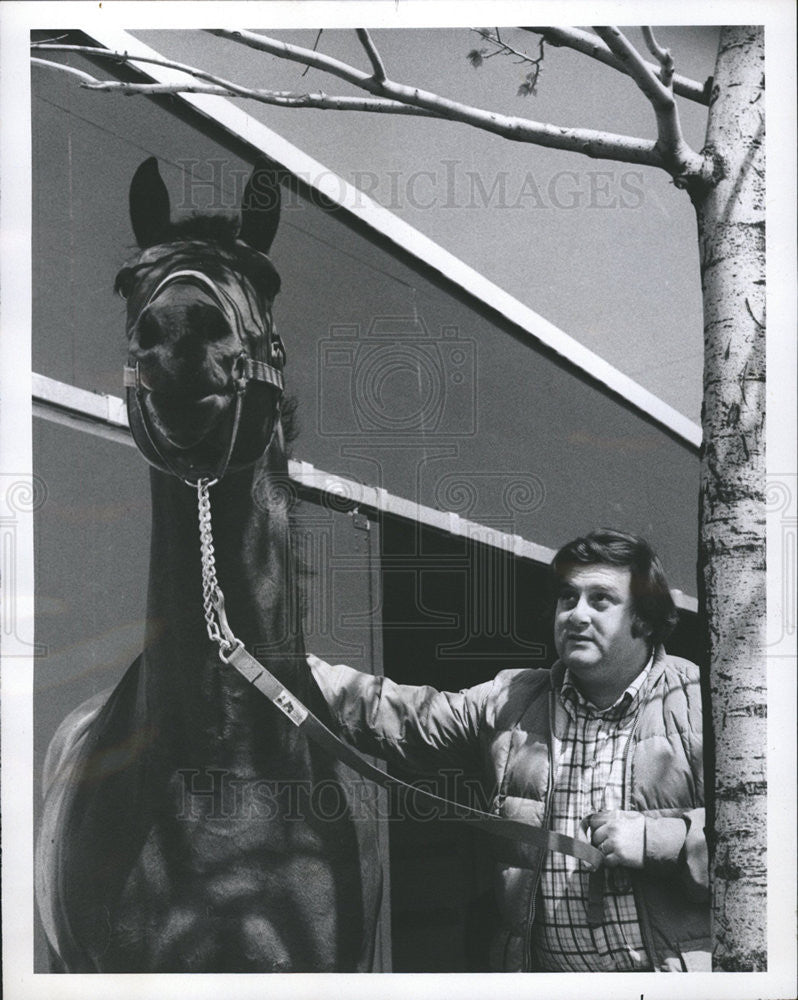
{"type": "Point", "coordinates": [396, 377]}
{"type": "Point", "coordinates": [218, 795]}
{"type": "Point", "coordinates": [19, 496]}
{"type": "Point", "coordinates": [217, 184]}
{"type": "Point", "coordinates": [452, 186]}
{"type": "Point", "coordinates": [399, 392]}
{"type": "Point", "coordinates": [781, 499]}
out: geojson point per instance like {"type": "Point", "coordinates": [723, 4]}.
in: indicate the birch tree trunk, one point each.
{"type": "Point", "coordinates": [731, 229]}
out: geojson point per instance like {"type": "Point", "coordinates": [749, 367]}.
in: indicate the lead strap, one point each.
{"type": "Point", "coordinates": [232, 651]}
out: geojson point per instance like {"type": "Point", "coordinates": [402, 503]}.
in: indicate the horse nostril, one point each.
{"type": "Point", "coordinates": [147, 333]}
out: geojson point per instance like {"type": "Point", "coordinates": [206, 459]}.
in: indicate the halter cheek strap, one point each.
{"type": "Point", "coordinates": [245, 371]}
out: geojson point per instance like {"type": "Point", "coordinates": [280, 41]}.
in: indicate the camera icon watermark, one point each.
{"type": "Point", "coordinates": [397, 378]}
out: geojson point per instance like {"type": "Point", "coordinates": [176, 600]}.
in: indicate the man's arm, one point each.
{"type": "Point", "coordinates": [668, 843]}
{"type": "Point", "coordinates": [419, 727]}
{"type": "Point", "coordinates": [672, 845]}
{"type": "Point", "coordinates": [681, 842]}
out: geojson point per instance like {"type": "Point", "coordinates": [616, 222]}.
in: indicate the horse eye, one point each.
{"type": "Point", "coordinates": [123, 282]}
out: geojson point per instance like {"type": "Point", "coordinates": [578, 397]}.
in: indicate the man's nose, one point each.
{"type": "Point", "coordinates": [580, 612]}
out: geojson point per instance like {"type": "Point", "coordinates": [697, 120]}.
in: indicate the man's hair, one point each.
{"type": "Point", "coordinates": [655, 613]}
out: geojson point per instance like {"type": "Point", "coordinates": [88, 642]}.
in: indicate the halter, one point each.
{"type": "Point", "coordinates": [245, 371]}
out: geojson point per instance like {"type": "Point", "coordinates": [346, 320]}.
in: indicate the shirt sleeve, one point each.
{"type": "Point", "coordinates": [416, 726]}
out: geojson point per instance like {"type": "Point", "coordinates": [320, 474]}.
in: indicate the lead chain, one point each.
{"type": "Point", "coordinates": [212, 597]}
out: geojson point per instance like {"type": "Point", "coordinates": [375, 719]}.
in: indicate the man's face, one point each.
{"type": "Point", "coordinates": [593, 629]}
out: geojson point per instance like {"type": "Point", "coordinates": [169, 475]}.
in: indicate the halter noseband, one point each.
{"type": "Point", "coordinates": [245, 371]}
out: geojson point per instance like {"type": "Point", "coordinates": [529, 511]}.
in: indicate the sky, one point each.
{"type": "Point", "coordinates": [606, 251]}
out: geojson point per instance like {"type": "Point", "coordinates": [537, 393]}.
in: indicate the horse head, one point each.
{"type": "Point", "coordinates": [204, 374]}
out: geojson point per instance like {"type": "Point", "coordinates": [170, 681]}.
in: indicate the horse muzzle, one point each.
{"type": "Point", "coordinates": [204, 437]}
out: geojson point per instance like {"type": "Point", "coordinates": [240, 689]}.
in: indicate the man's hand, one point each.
{"type": "Point", "coordinates": [620, 835]}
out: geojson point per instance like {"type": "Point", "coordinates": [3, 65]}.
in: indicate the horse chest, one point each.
{"type": "Point", "coordinates": [232, 893]}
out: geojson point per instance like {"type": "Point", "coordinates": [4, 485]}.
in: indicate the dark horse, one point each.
{"type": "Point", "coordinates": [182, 827]}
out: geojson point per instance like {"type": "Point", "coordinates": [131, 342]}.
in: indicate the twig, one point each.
{"type": "Point", "coordinates": [296, 53]}
{"type": "Point", "coordinates": [278, 98]}
{"type": "Point", "coordinates": [316, 40]}
{"type": "Point", "coordinates": [502, 48]}
{"type": "Point", "coordinates": [371, 50]}
{"type": "Point", "coordinates": [662, 56]}
{"type": "Point", "coordinates": [87, 78]}
{"type": "Point", "coordinates": [126, 58]}
{"type": "Point", "coordinates": [502, 45]}
{"type": "Point", "coordinates": [590, 45]}
{"type": "Point", "coordinates": [643, 73]}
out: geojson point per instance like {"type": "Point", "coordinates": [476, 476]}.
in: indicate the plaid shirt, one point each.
{"type": "Point", "coordinates": [590, 776]}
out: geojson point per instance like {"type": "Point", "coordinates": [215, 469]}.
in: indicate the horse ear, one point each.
{"type": "Point", "coordinates": [260, 206]}
{"type": "Point", "coordinates": [149, 204]}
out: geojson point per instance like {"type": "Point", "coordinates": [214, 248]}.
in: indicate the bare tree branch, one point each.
{"type": "Point", "coordinates": [273, 98]}
{"type": "Point", "coordinates": [87, 78]}
{"type": "Point", "coordinates": [371, 50]}
{"type": "Point", "coordinates": [600, 145]}
{"type": "Point", "coordinates": [643, 73]}
{"type": "Point", "coordinates": [591, 45]}
{"type": "Point", "coordinates": [394, 98]}
{"type": "Point", "coordinates": [681, 160]}
{"type": "Point", "coordinates": [296, 53]}
{"type": "Point", "coordinates": [124, 58]}
{"type": "Point", "coordinates": [216, 85]}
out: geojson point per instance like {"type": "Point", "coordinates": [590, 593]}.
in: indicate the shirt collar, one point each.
{"type": "Point", "coordinates": [573, 698]}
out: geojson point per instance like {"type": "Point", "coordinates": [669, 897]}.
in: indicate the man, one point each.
{"type": "Point", "coordinates": [606, 745]}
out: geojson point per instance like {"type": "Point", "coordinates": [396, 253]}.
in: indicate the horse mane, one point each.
{"type": "Point", "coordinates": [218, 228]}
{"type": "Point", "coordinates": [289, 421]}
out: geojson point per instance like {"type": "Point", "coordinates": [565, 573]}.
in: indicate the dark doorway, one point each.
{"type": "Point", "coordinates": [454, 614]}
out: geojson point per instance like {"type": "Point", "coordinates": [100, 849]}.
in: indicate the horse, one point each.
{"type": "Point", "coordinates": [182, 827]}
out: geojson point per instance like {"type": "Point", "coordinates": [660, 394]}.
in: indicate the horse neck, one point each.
{"type": "Point", "coordinates": [254, 568]}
